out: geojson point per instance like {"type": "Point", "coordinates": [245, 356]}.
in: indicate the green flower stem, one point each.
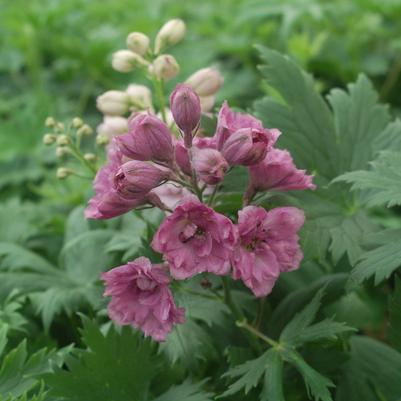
{"type": "Point", "coordinates": [77, 153]}
{"type": "Point", "coordinates": [159, 89]}
{"type": "Point", "coordinates": [213, 195]}
{"type": "Point", "coordinates": [245, 325]}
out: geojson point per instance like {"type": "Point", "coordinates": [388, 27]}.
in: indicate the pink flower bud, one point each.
{"type": "Point", "coordinates": [209, 165]}
{"type": "Point", "coordinates": [148, 138]}
{"type": "Point", "coordinates": [246, 146]}
{"type": "Point", "coordinates": [186, 109]}
{"type": "Point", "coordinates": [136, 178]}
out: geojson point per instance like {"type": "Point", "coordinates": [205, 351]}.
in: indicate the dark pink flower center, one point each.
{"type": "Point", "coordinates": [191, 231]}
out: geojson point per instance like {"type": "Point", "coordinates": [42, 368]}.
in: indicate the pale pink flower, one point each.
{"type": "Point", "coordinates": [195, 239]}
{"type": "Point", "coordinates": [140, 296]}
{"type": "Point", "coordinates": [210, 165]}
{"type": "Point", "coordinates": [268, 244]}
{"type": "Point", "coordinates": [171, 194]}
{"type": "Point", "coordinates": [277, 171]}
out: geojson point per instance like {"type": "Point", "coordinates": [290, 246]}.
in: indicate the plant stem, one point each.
{"type": "Point", "coordinates": [77, 153]}
{"type": "Point", "coordinates": [158, 84]}
{"type": "Point", "coordinates": [213, 195]}
{"type": "Point", "coordinates": [245, 325]}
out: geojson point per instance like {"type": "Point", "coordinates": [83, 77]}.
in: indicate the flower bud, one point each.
{"type": "Point", "coordinates": [182, 158]}
{"type": "Point", "coordinates": [126, 61]}
{"type": "Point", "coordinates": [186, 109]}
{"type": "Point", "coordinates": [210, 165]}
{"type": "Point", "coordinates": [140, 97]}
{"type": "Point", "coordinates": [171, 32]}
{"type": "Point", "coordinates": [77, 122]}
{"type": "Point", "coordinates": [59, 127]}
{"type": "Point", "coordinates": [112, 125]}
{"type": "Point", "coordinates": [63, 173]}
{"type": "Point", "coordinates": [246, 146]}
{"type": "Point", "coordinates": [50, 122]}
{"type": "Point", "coordinates": [63, 140]}
{"type": "Point", "coordinates": [148, 138]}
{"type": "Point", "coordinates": [113, 103]}
{"type": "Point", "coordinates": [61, 151]}
{"type": "Point", "coordinates": [102, 139]}
{"type": "Point", "coordinates": [85, 130]}
{"type": "Point", "coordinates": [49, 139]}
{"type": "Point", "coordinates": [90, 157]}
{"type": "Point", "coordinates": [138, 42]}
{"type": "Point", "coordinates": [136, 178]}
{"type": "Point", "coordinates": [165, 67]}
{"type": "Point", "coordinates": [207, 103]}
{"type": "Point", "coordinates": [206, 82]}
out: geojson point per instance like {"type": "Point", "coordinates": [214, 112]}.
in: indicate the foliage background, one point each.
{"type": "Point", "coordinates": [55, 60]}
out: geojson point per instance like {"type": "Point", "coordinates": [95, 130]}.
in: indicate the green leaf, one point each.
{"type": "Point", "coordinates": [372, 372]}
{"type": "Point", "coordinates": [395, 315]}
{"type": "Point", "coordinates": [186, 391]}
{"type": "Point", "coordinates": [316, 384]}
{"type": "Point", "coordinates": [76, 224]}
{"type": "Point", "coordinates": [383, 181]}
{"type": "Point", "coordinates": [379, 262]}
{"type": "Point", "coordinates": [273, 380]}
{"type": "Point", "coordinates": [115, 366]}
{"type": "Point", "coordinates": [249, 373]}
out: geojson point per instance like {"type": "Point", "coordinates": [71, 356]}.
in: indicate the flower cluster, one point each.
{"type": "Point", "coordinates": [149, 165]}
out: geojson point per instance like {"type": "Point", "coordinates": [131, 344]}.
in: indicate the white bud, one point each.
{"type": "Point", "coordinates": [61, 151]}
{"type": "Point", "coordinates": [50, 122]}
{"type": "Point", "coordinates": [63, 140]}
{"type": "Point", "coordinates": [165, 67]}
{"type": "Point", "coordinates": [207, 103]}
{"type": "Point", "coordinates": [113, 103]}
{"type": "Point", "coordinates": [63, 173]}
{"type": "Point", "coordinates": [112, 125]}
{"type": "Point", "coordinates": [77, 122]}
{"type": "Point", "coordinates": [170, 33]}
{"type": "Point", "coordinates": [102, 139]}
{"type": "Point", "coordinates": [49, 139]}
{"type": "Point", "coordinates": [169, 117]}
{"type": "Point", "coordinates": [140, 97]}
{"type": "Point", "coordinates": [85, 130]}
{"type": "Point", "coordinates": [206, 82]}
{"type": "Point", "coordinates": [138, 42]}
{"type": "Point", "coordinates": [89, 157]}
{"type": "Point", "coordinates": [126, 61]}
{"type": "Point", "coordinates": [59, 127]}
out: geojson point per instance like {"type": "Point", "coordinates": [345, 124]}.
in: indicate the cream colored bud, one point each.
{"type": "Point", "coordinates": [49, 139]}
{"type": "Point", "coordinates": [111, 126]}
{"type": "Point", "coordinates": [59, 127]}
{"type": "Point", "coordinates": [63, 140]}
{"type": "Point", "coordinates": [165, 67]}
{"type": "Point", "coordinates": [140, 97]}
{"type": "Point", "coordinates": [63, 173]}
{"type": "Point", "coordinates": [102, 139]}
{"type": "Point", "coordinates": [207, 103]}
{"type": "Point", "coordinates": [90, 157]}
{"type": "Point", "coordinates": [50, 122]}
{"type": "Point", "coordinates": [169, 117]}
{"type": "Point", "coordinates": [114, 103]}
{"type": "Point", "coordinates": [61, 151]}
{"type": "Point", "coordinates": [206, 82]}
{"type": "Point", "coordinates": [126, 61]}
{"type": "Point", "coordinates": [171, 32]}
{"type": "Point", "coordinates": [85, 130]}
{"type": "Point", "coordinates": [77, 122]}
{"type": "Point", "coordinates": [138, 42]}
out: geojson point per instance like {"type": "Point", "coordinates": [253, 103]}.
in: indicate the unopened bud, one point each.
{"type": "Point", "coordinates": [113, 125]}
{"type": "Point", "coordinates": [85, 130]}
{"type": "Point", "coordinates": [61, 151]}
{"type": "Point", "coordinates": [209, 165]}
{"type": "Point", "coordinates": [170, 33]}
{"type": "Point", "coordinates": [140, 97]}
{"type": "Point", "coordinates": [165, 67]}
{"type": "Point", "coordinates": [90, 157]}
{"type": "Point", "coordinates": [63, 140]}
{"type": "Point", "coordinates": [63, 173]}
{"type": "Point", "coordinates": [138, 42]}
{"type": "Point", "coordinates": [59, 127]}
{"type": "Point", "coordinates": [49, 139]}
{"type": "Point", "coordinates": [77, 122]}
{"type": "Point", "coordinates": [186, 109]}
{"type": "Point", "coordinates": [126, 61]}
{"type": "Point", "coordinates": [102, 139]}
{"type": "Point", "coordinates": [206, 82]}
{"type": "Point", "coordinates": [207, 103]}
{"type": "Point", "coordinates": [114, 103]}
{"type": "Point", "coordinates": [50, 122]}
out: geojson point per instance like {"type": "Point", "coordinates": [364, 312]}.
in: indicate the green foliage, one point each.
{"type": "Point", "coordinates": [395, 316]}
{"type": "Point", "coordinates": [186, 391]}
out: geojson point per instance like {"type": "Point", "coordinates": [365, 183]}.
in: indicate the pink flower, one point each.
{"type": "Point", "coordinates": [229, 122]}
{"type": "Point", "coordinates": [148, 138]}
{"type": "Point", "coordinates": [195, 239]}
{"type": "Point", "coordinates": [186, 109]}
{"type": "Point", "coordinates": [108, 201]}
{"type": "Point", "coordinates": [170, 194]}
{"type": "Point", "coordinates": [140, 296]}
{"type": "Point", "coordinates": [268, 245]}
{"type": "Point", "coordinates": [210, 165]}
{"type": "Point", "coordinates": [277, 171]}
